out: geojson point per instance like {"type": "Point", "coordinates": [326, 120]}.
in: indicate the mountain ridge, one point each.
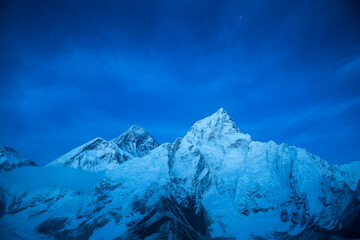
{"type": "Point", "coordinates": [11, 159]}
{"type": "Point", "coordinates": [234, 183]}
{"type": "Point", "coordinates": [99, 154]}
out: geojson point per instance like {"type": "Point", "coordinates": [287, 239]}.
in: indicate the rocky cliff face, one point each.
{"type": "Point", "coordinates": [214, 183]}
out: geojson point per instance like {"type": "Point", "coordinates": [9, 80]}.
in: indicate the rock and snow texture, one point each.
{"type": "Point", "coordinates": [11, 159]}
{"type": "Point", "coordinates": [99, 154]}
{"type": "Point", "coordinates": [136, 141]}
{"type": "Point", "coordinates": [214, 182]}
{"type": "Point", "coordinates": [95, 155]}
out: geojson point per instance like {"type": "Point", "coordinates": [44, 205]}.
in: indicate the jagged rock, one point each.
{"type": "Point", "coordinates": [136, 141]}
{"type": "Point", "coordinates": [170, 220]}
{"type": "Point", "coordinates": [10, 159]}
{"type": "Point", "coordinates": [51, 226]}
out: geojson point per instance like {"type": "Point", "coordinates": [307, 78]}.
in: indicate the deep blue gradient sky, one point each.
{"type": "Point", "coordinates": [287, 71]}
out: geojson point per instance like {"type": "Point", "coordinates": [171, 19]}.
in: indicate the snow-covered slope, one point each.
{"type": "Point", "coordinates": [99, 154]}
{"type": "Point", "coordinates": [10, 159]}
{"type": "Point", "coordinates": [240, 181]}
{"type": "Point", "coordinates": [95, 155]}
{"type": "Point", "coordinates": [214, 182]}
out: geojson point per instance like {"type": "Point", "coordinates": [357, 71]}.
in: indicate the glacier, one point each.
{"type": "Point", "coordinates": [214, 183]}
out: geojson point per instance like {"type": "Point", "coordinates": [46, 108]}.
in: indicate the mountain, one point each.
{"type": "Point", "coordinates": [11, 159]}
{"type": "Point", "coordinates": [214, 183]}
{"type": "Point", "coordinates": [99, 154]}
{"type": "Point", "coordinates": [95, 155]}
{"type": "Point", "coordinates": [136, 141]}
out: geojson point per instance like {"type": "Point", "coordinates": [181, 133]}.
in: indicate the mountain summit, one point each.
{"type": "Point", "coordinates": [136, 141]}
{"type": "Point", "coordinates": [11, 159]}
{"type": "Point", "coordinates": [214, 183]}
{"type": "Point", "coordinates": [95, 155]}
{"type": "Point", "coordinates": [99, 154]}
{"type": "Point", "coordinates": [217, 128]}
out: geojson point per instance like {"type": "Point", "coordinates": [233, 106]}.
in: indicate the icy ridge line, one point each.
{"type": "Point", "coordinates": [215, 182]}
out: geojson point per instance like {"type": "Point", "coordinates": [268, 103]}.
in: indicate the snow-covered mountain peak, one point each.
{"type": "Point", "coordinates": [218, 126]}
{"type": "Point", "coordinates": [215, 183]}
{"type": "Point", "coordinates": [136, 141]}
{"type": "Point", "coordinates": [10, 159]}
{"type": "Point", "coordinates": [220, 115]}
{"type": "Point", "coordinates": [7, 153]}
{"type": "Point", "coordinates": [222, 112]}
{"type": "Point", "coordinates": [94, 143]}
{"type": "Point", "coordinates": [136, 129]}
{"type": "Point", "coordinates": [95, 155]}
{"type": "Point", "coordinates": [99, 154]}
{"type": "Point", "coordinates": [219, 121]}
{"type": "Point", "coordinates": [10, 155]}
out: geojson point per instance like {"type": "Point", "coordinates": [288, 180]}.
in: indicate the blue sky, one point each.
{"type": "Point", "coordinates": [286, 71]}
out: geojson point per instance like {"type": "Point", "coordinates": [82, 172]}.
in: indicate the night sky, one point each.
{"type": "Point", "coordinates": [287, 71]}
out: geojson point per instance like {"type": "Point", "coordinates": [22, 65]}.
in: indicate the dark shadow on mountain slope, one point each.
{"type": "Point", "coordinates": [171, 220]}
